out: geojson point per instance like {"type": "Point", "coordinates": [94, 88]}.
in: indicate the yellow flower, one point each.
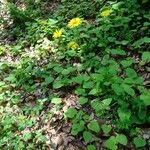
{"type": "Point", "coordinates": [57, 34]}
{"type": "Point", "coordinates": [74, 22]}
{"type": "Point", "coordinates": [105, 13]}
{"type": "Point", "coordinates": [73, 45]}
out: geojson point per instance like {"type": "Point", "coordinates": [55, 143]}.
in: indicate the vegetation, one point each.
{"type": "Point", "coordinates": [84, 64]}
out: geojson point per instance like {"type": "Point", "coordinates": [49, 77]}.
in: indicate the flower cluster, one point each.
{"type": "Point", "coordinates": [74, 22]}
{"type": "Point", "coordinates": [57, 34]}
{"type": "Point", "coordinates": [73, 45]}
{"type": "Point", "coordinates": [105, 13]}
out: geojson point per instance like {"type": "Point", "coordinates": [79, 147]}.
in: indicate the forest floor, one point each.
{"type": "Point", "coordinates": [33, 106]}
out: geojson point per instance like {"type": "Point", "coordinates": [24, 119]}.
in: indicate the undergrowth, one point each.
{"type": "Point", "coordinates": [99, 55]}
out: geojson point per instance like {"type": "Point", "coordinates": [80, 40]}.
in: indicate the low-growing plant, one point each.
{"type": "Point", "coordinates": [95, 61]}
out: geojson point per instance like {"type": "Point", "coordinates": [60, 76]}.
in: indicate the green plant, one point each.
{"type": "Point", "coordinates": [139, 142]}
{"type": "Point", "coordinates": [93, 60]}
{"type": "Point", "coordinates": [72, 8]}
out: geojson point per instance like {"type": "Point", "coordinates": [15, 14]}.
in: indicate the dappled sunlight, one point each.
{"type": "Point", "coordinates": [74, 75]}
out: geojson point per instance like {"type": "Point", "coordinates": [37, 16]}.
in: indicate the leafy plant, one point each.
{"type": "Point", "coordinates": [94, 126]}
{"type": "Point", "coordinates": [139, 142]}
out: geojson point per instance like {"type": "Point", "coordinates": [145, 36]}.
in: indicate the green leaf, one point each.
{"type": "Point", "coordinates": [117, 52]}
{"type": "Point", "coordinates": [124, 114]}
{"type": "Point", "coordinates": [124, 42]}
{"type": "Point", "coordinates": [85, 77]}
{"type": "Point", "coordinates": [83, 100]}
{"type": "Point", "coordinates": [131, 73]}
{"type": "Point", "coordinates": [27, 136]}
{"type": "Point", "coordinates": [96, 105]}
{"type": "Point", "coordinates": [87, 136]}
{"type": "Point", "coordinates": [80, 91]}
{"type": "Point", "coordinates": [94, 91]}
{"type": "Point", "coordinates": [145, 98]}
{"type": "Point", "coordinates": [52, 21]}
{"type": "Point", "coordinates": [2, 96]}
{"type": "Point", "coordinates": [111, 143]}
{"type": "Point", "coordinates": [57, 84]}
{"type": "Point", "coordinates": [106, 128]}
{"type": "Point", "coordinates": [67, 71]}
{"type": "Point", "coordinates": [94, 126]}
{"type": "Point", "coordinates": [127, 88]}
{"type": "Point", "coordinates": [127, 63]}
{"type": "Point", "coordinates": [58, 69]}
{"type": "Point", "coordinates": [56, 100]}
{"type": "Point", "coordinates": [146, 57]}
{"type": "Point", "coordinates": [49, 80]}
{"type": "Point", "coordinates": [88, 85]}
{"type": "Point", "coordinates": [97, 76]}
{"type": "Point", "coordinates": [141, 41]}
{"type": "Point", "coordinates": [107, 102]}
{"type": "Point", "coordinates": [77, 127]}
{"type": "Point", "coordinates": [139, 142]}
{"type": "Point", "coordinates": [71, 112]}
{"type": "Point", "coordinates": [91, 147]}
{"type": "Point", "coordinates": [117, 89]}
{"type": "Point", "coordinates": [78, 79]}
{"type": "Point", "coordinates": [122, 139]}
{"type": "Point", "coordinates": [2, 83]}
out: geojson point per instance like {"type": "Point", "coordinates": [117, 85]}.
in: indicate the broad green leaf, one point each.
{"type": "Point", "coordinates": [52, 21]}
{"type": "Point", "coordinates": [117, 52]}
{"type": "Point", "coordinates": [2, 96]}
{"type": "Point", "coordinates": [117, 89]}
{"type": "Point", "coordinates": [146, 57]}
{"type": "Point", "coordinates": [49, 80]}
{"type": "Point", "coordinates": [122, 139]}
{"type": "Point", "coordinates": [67, 71]}
{"type": "Point", "coordinates": [57, 84]}
{"type": "Point", "coordinates": [131, 73]}
{"type": "Point", "coordinates": [91, 147]}
{"type": "Point", "coordinates": [80, 91]}
{"type": "Point", "coordinates": [139, 142]}
{"type": "Point", "coordinates": [107, 102]}
{"type": "Point", "coordinates": [96, 105]}
{"type": "Point", "coordinates": [98, 77]}
{"type": "Point", "coordinates": [128, 89]}
{"type": "Point", "coordinates": [127, 63]}
{"type": "Point", "coordinates": [27, 136]}
{"type": "Point", "coordinates": [111, 143]}
{"type": "Point", "coordinates": [124, 114]}
{"type": "Point", "coordinates": [78, 79]}
{"type": "Point", "coordinates": [94, 126]}
{"type": "Point", "coordinates": [88, 85]}
{"type": "Point", "coordinates": [124, 42]}
{"type": "Point", "coordinates": [77, 127]}
{"type": "Point", "coordinates": [83, 100]}
{"type": "Point", "coordinates": [117, 5]}
{"type": "Point", "coordinates": [87, 136]}
{"type": "Point", "coordinates": [145, 98]}
{"type": "Point", "coordinates": [144, 40]}
{"type": "Point", "coordinates": [85, 77]}
{"type": "Point", "coordinates": [71, 112]}
{"type": "Point", "coordinates": [94, 91]}
{"type": "Point", "coordinates": [106, 128]}
{"type": "Point", "coordinates": [2, 83]}
{"type": "Point", "coordinates": [56, 100]}
{"type": "Point", "coordinates": [58, 69]}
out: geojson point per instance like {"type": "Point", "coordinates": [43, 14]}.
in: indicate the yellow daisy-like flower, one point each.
{"type": "Point", "coordinates": [74, 22]}
{"type": "Point", "coordinates": [105, 13]}
{"type": "Point", "coordinates": [73, 45]}
{"type": "Point", "coordinates": [57, 34]}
